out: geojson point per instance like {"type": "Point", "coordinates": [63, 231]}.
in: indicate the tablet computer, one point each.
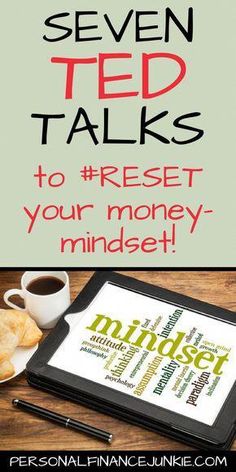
{"type": "Point", "coordinates": [145, 354]}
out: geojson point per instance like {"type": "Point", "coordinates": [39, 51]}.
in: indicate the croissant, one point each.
{"type": "Point", "coordinates": [6, 370]}
{"type": "Point", "coordinates": [16, 329]}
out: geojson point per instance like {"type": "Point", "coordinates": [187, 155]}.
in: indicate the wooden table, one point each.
{"type": "Point", "coordinates": [22, 431]}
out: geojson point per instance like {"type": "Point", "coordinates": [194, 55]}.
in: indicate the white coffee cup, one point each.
{"type": "Point", "coordinates": [44, 309]}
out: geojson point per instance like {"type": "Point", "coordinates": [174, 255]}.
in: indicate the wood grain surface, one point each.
{"type": "Point", "coordinates": [21, 431]}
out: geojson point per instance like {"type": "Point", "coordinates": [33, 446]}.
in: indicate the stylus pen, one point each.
{"type": "Point", "coordinates": [63, 420]}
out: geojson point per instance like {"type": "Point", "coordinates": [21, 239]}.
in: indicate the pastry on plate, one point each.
{"type": "Point", "coordinates": [6, 370]}
{"type": "Point", "coordinates": [32, 334]}
{"type": "Point", "coordinates": [16, 329]}
{"type": "Point", "coordinates": [8, 341]}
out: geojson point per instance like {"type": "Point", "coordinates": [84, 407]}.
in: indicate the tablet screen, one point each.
{"type": "Point", "coordinates": [164, 354]}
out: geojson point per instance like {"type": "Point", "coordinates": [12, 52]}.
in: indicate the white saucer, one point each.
{"type": "Point", "coordinates": [20, 358]}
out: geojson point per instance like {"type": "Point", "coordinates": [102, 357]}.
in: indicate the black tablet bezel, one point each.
{"type": "Point", "coordinates": [216, 435]}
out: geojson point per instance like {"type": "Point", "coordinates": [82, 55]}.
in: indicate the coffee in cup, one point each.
{"type": "Point", "coordinates": [46, 295]}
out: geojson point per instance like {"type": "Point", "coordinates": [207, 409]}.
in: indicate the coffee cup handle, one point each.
{"type": "Point", "coordinates": [10, 293]}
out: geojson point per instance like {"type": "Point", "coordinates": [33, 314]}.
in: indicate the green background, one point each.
{"type": "Point", "coordinates": [31, 84]}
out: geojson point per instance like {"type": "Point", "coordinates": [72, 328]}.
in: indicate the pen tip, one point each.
{"type": "Point", "coordinates": [14, 401]}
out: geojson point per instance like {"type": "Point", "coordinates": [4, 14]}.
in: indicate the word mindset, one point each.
{"type": "Point", "coordinates": [170, 347]}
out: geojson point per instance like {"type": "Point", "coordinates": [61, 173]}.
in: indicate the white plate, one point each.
{"type": "Point", "coordinates": [20, 358]}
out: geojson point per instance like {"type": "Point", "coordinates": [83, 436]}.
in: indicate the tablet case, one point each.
{"type": "Point", "coordinates": [43, 374]}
